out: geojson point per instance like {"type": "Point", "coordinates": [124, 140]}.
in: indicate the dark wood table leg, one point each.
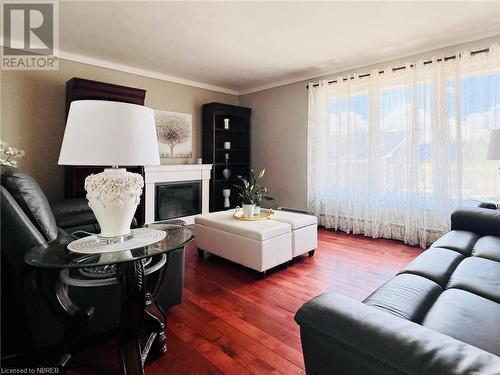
{"type": "Point", "coordinates": [133, 285]}
{"type": "Point", "coordinates": [156, 318]}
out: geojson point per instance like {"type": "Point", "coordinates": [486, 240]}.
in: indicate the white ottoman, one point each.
{"type": "Point", "coordinates": [304, 231]}
{"type": "Point", "coordinates": [260, 245]}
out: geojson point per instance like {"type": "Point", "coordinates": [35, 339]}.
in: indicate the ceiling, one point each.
{"type": "Point", "coordinates": [240, 47]}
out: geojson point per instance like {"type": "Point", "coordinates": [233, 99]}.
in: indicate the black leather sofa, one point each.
{"type": "Point", "coordinates": [440, 315]}
{"type": "Point", "coordinates": [28, 324]}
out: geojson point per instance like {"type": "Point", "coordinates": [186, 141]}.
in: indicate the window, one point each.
{"type": "Point", "coordinates": [393, 154]}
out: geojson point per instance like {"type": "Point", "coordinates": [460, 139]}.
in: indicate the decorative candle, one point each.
{"type": "Point", "coordinates": [226, 123]}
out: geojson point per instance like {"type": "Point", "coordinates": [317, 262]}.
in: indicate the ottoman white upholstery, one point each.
{"type": "Point", "coordinates": [260, 245]}
{"type": "Point", "coordinates": [304, 231]}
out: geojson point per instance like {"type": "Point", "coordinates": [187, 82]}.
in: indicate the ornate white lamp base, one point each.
{"type": "Point", "coordinates": [113, 196]}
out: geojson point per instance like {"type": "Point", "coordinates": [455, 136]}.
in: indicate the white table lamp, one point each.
{"type": "Point", "coordinates": [103, 133]}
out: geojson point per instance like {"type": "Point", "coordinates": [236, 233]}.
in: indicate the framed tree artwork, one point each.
{"type": "Point", "coordinates": [174, 130]}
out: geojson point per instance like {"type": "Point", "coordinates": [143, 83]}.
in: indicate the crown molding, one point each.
{"type": "Point", "coordinates": [142, 72]}
{"type": "Point", "coordinates": [273, 85]}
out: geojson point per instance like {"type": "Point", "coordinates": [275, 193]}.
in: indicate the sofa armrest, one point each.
{"type": "Point", "coordinates": [71, 214]}
{"type": "Point", "coordinates": [483, 221]}
{"type": "Point", "coordinates": [334, 327]}
{"type": "Point", "coordinates": [70, 206]}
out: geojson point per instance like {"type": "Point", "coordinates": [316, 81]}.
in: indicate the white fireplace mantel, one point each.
{"type": "Point", "coordinates": [175, 173]}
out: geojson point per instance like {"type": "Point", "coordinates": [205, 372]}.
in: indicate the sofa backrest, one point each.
{"type": "Point", "coordinates": [483, 221]}
{"type": "Point", "coordinates": [30, 198]}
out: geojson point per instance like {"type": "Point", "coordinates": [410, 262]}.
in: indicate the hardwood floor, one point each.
{"type": "Point", "coordinates": [232, 322]}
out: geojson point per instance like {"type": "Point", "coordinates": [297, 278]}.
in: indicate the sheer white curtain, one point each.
{"type": "Point", "coordinates": [391, 155]}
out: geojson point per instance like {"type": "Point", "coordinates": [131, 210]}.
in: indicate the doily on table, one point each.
{"type": "Point", "coordinates": [142, 237]}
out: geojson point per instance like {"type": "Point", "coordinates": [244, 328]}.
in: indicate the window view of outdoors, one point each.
{"type": "Point", "coordinates": [480, 102]}
{"type": "Point", "coordinates": [401, 151]}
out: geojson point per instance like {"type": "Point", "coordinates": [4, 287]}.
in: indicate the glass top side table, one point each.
{"type": "Point", "coordinates": [139, 307]}
{"type": "Point", "coordinates": [56, 255]}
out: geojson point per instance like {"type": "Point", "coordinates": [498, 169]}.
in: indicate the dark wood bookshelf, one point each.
{"type": "Point", "coordinates": [233, 163]}
{"type": "Point", "coordinates": [213, 152]}
{"type": "Point", "coordinates": [228, 131]}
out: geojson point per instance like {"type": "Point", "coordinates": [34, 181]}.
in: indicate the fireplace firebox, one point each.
{"type": "Point", "coordinates": [177, 199]}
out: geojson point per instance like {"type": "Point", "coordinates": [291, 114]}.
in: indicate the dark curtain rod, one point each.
{"type": "Point", "coordinates": [446, 58]}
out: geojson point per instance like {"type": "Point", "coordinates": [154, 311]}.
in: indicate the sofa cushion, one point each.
{"type": "Point", "coordinates": [436, 264]}
{"type": "Point", "coordinates": [257, 230]}
{"type": "Point", "coordinates": [30, 197]}
{"type": "Point", "coordinates": [458, 240]}
{"type": "Point", "coordinates": [479, 276]}
{"type": "Point", "coordinates": [487, 247]}
{"type": "Point", "coordinates": [466, 317]}
{"type": "Point", "coordinates": [407, 296]}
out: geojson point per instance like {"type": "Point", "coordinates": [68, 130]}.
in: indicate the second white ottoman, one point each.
{"type": "Point", "coordinates": [304, 231]}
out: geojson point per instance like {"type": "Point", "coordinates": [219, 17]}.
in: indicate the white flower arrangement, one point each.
{"type": "Point", "coordinates": [9, 154]}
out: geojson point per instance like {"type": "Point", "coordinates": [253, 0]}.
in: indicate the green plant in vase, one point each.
{"type": "Point", "coordinates": [251, 193]}
{"type": "Point", "coordinates": [246, 198]}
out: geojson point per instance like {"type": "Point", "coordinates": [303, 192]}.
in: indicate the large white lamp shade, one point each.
{"type": "Point", "coordinates": [111, 134]}
{"type": "Point", "coordinates": [494, 146]}
{"type": "Point", "coordinates": [100, 132]}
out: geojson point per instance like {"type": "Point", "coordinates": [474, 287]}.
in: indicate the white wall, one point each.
{"type": "Point", "coordinates": [279, 129]}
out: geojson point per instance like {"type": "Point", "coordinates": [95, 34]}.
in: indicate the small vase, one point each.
{"type": "Point", "coordinates": [248, 210]}
{"type": "Point", "coordinates": [226, 193]}
{"type": "Point", "coordinates": [226, 123]}
{"type": "Point", "coordinates": [256, 211]}
{"type": "Point", "coordinates": [226, 173]}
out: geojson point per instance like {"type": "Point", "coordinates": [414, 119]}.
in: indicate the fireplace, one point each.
{"type": "Point", "coordinates": [177, 199]}
{"type": "Point", "coordinates": [176, 191]}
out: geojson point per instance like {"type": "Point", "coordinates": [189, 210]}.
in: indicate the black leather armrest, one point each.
{"type": "Point", "coordinates": [483, 221]}
{"type": "Point", "coordinates": [74, 214]}
{"type": "Point", "coordinates": [334, 327]}
{"type": "Point", "coordinates": [17, 231]}
{"type": "Point", "coordinates": [70, 206]}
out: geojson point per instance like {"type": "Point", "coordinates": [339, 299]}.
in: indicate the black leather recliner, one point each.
{"type": "Point", "coordinates": [439, 316]}
{"type": "Point", "coordinates": [28, 323]}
